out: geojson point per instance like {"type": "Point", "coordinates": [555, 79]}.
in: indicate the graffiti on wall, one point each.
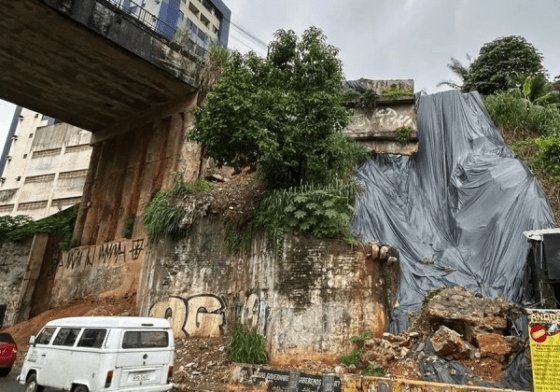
{"type": "Point", "coordinates": [105, 254]}
{"type": "Point", "coordinates": [205, 315]}
{"type": "Point", "coordinates": [255, 313]}
{"type": "Point", "coordinates": [385, 118]}
{"type": "Point", "coordinates": [202, 315]}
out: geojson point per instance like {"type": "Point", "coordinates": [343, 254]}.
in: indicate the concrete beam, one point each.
{"type": "Point", "coordinates": [87, 63]}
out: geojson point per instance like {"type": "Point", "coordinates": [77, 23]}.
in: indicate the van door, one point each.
{"type": "Point", "coordinates": [144, 357]}
{"type": "Point", "coordinates": [36, 356]}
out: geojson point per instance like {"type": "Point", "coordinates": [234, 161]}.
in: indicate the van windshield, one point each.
{"type": "Point", "coordinates": [45, 336]}
{"type": "Point", "coordinates": [145, 339]}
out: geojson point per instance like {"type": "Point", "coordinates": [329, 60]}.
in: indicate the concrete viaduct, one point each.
{"type": "Point", "coordinates": [88, 63]}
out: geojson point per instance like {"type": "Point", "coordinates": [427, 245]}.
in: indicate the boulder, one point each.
{"type": "Point", "coordinates": [449, 343]}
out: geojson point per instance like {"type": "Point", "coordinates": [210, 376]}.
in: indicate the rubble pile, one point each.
{"type": "Point", "coordinates": [201, 364]}
{"type": "Point", "coordinates": [458, 336]}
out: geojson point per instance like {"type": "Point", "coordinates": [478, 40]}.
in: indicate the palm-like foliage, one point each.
{"type": "Point", "coordinates": [460, 70]}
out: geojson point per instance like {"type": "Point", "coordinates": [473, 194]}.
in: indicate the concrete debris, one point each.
{"type": "Point", "coordinates": [448, 343]}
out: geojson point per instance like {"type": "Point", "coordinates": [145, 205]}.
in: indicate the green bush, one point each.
{"type": "Point", "coordinates": [510, 110]}
{"type": "Point", "coordinates": [162, 216]}
{"type": "Point", "coordinates": [402, 135]}
{"type": "Point", "coordinates": [548, 156]}
{"type": "Point", "coordinates": [322, 211]}
{"type": "Point", "coordinates": [246, 347]}
{"type": "Point", "coordinates": [373, 371]}
{"type": "Point", "coordinates": [360, 339]}
{"type": "Point", "coordinates": [19, 228]}
{"type": "Point", "coordinates": [353, 358]}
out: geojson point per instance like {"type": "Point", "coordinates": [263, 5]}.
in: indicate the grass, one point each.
{"type": "Point", "coordinates": [246, 347]}
{"type": "Point", "coordinates": [396, 92]}
{"type": "Point", "coordinates": [373, 371]}
{"type": "Point", "coordinates": [163, 217]}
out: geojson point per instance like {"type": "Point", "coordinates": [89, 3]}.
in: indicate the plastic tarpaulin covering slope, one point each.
{"type": "Point", "coordinates": [456, 211]}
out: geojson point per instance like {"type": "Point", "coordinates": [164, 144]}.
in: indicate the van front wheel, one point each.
{"type": "Point", "coordinates": [80, 388]}
{"type": "Point", "coordinates": [31, 384]}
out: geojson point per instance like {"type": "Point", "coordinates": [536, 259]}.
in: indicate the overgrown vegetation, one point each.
{"type": "Point", "coordinates": [373, 371]}
{"type": "Point", "coordinates": [396, 92]}
{"type": "Point", "coordinates": [163, 216]}
{"type": "Point", "coordinates": [402, 135]}
{"type": "Point", "coordinates": [322, 211]}
{"type": "Point", "coordinates": [535, 127]}
{"type": "Point", "coordinates": [283, 114]}
{"type": "Point", "coordinates": [501, 64]}
{"type": "Point", "coordinates": [246, 346]}
{"type": "Point", "coordinates": [431, 293]}
{"type": "Point", "coordinates": [354, 357]}
{"type": "Point", "coordinates": [20, 228]}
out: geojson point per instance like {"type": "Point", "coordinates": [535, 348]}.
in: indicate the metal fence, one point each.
{"type": "Point", "coordinates": [164, 31]}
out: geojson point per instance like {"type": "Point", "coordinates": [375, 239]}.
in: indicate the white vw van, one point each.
{"type": "Point", "coordinates": [91, 354]}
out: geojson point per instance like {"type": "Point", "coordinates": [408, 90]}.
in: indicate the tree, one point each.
{"type": "Point", "coordinates": [460, 70]}
{"type": "Point", "coordinates": [502, 64]}
{"type": "Point", "coordinates": [284, 114]}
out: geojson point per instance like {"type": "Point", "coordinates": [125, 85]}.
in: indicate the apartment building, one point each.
{"type": "Point", "coordinates": [44, 165]}
{"type": "Point", "coordinates": [205, 21]}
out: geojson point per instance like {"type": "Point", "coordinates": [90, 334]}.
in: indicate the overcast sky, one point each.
{"type": "Point", "coordinates": [381, 39]}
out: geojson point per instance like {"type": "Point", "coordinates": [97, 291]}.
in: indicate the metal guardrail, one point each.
{"type": "Point", "coordinates": [163, 30]}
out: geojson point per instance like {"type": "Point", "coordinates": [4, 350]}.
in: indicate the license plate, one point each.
{"type": "Point", "coordinates": [141, 377]}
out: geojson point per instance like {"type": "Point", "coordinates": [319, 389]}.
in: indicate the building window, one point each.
{"type": "Point", "coordinates": [32, 205]}
{"type": "Point", "coordinates": [36, 115]}
{"type": "Point", "coordinates": [41, 178]}
{"type": "Point", "coordinates": [18, 178]}
{"type": "Point", "coordinates": [77, 148]}
{"type": "Point", "coordinates": [20, 117]}
{"type": "Point", "coordinates": [46, 153]}
{"type": "Point", "coordinates": [30, 135]}
{"type": "Point", "coordinates": [24, 156]}
{"type": "Point", "coordinates": [72, 174]}
{"type": "Point", "coordinates": [6, 208]}
{"type": "Point", "coordinates": [68, 201]}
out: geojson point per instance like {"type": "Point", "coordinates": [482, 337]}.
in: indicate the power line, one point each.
{"type": "Point", "coordinates": [251, 36]}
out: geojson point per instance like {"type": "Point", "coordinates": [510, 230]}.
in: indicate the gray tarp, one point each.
{"type": "Point", "coordinates": [462, 203]}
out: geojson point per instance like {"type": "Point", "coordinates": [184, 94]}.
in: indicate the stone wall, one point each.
{"type": "Point", "coordinates": [307, 296]}
{"type": "Point", "coordinates": [13, 263]}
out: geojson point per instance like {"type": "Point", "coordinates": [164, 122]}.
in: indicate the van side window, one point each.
{"type": "Point", "coordinates": [66, 337]}
{"type": "Point", "coordinates": [45, 336]}
{"type": "Point", "coordinates": [145, 339]}
{"type": "Point", "coordinates": [92, 338]}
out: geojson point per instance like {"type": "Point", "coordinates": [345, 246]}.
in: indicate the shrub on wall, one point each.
{"type": "Point", "coordinates": [322, 211]}
{"type": "Point", "coordinates": [163, 217]}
